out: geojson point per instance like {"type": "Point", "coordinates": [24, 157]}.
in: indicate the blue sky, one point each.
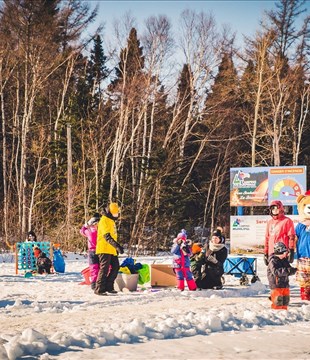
{"type": "Point", "coordinates": [242, 16]}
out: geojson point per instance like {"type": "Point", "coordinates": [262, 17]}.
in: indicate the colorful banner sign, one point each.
{"type": "Point", "coordinates": [258, 186]}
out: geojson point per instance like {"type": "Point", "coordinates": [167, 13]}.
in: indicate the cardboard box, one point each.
{"type": "Point", "coordinates": [163, 275]}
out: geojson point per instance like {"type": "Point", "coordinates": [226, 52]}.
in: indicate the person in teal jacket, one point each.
{"type": "Point", "coordinates": [107, 249]}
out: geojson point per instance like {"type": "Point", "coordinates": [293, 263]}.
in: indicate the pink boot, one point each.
{"type": "Point", "coordinates": [180, 284]}
{"type": "Point", "coordinates": [191, 285]}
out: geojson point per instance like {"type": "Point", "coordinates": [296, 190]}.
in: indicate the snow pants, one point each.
{"type": "Point", "coordinates": [108, 270]}
{"type": "Point", "coordinates": [280, 298]}
{"type": "Point", "coordinates": [185, 273]}
{"type": "Point", "coordinates": [93, 261]}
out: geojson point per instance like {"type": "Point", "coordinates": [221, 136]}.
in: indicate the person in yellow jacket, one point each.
{"type": "Point", "coordinates": [107, 249]}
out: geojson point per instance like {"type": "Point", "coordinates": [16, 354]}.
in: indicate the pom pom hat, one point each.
{"type": "Point", "coordinates": [218, 233]}
{"type": "Point", "coordinates": [181, 236]}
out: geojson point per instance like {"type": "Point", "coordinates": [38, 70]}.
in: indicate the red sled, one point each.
{"type": "Point", "coordinates": [86, 275]}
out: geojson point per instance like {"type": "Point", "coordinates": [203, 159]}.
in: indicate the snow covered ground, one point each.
{"type": "Point", "coordinates": [53, 317]}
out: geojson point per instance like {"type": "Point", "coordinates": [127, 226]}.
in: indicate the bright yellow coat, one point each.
{"type": "Point", "coordinates": [105, 226]}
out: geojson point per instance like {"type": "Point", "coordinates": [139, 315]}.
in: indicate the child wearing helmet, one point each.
{"type": "Point", "coordinates": [89, 230]}
{"type": "Point", "coordinates": [181, 261]}
{"type": "Point", "coordinates": [280, 228]}
{"type": "Point", "coordinates": [278, 272]}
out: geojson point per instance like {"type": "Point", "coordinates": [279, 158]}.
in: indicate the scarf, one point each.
{"type": "Point", "coordinates": [215, 247]}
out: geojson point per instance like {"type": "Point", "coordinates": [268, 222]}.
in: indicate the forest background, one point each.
{"type": "Point", "coordinates": [83, 124]}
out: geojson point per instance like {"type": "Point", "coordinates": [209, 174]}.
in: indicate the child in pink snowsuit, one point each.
{"type": "Point", "coordinates": [181, 262]}
{"type": "Point", "coordinates": [89, 230]}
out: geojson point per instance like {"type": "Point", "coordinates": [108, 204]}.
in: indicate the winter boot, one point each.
{"type": "Point", "coordinates": [191, 285]}
{"type": "Point", "coordinates": [93, 285]}
{"type": "Point", "coordinates": [180, 284]}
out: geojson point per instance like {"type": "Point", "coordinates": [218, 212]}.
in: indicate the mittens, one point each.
{"type": "Point", "coordinates": [212, 259]}
{"type": "Point", "coordinates": [266, 259]}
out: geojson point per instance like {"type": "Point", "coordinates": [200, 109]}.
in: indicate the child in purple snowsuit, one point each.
{"type": "Point", "coordinates": [181, 262]}
{"type": "Point", "coordinates": [89, 230]}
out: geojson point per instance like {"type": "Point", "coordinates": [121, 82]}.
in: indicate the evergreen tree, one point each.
{"type": "Point", "coordinates": [131, 59]}
{"type": "Point", "coordinates": [97, 70]}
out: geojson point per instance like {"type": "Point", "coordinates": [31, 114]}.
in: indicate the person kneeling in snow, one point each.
{"type": "Point", "coordinates": [181, 252]}
{"type": "Point", "coordinates": [44, 264]}
{"type": "Point", "coordinates": [214, 258]}
{"type": "Point", "coordinates": [278, 271]}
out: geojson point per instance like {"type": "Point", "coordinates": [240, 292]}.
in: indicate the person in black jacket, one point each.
{"type": "Point", "coordinates": [278, 272]}
{"type": "Point", "coordinates": [44, 263]}
{"type": "Point", "coordinates": [208, 265]}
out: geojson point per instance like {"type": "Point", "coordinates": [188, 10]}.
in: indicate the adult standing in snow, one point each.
{"type": "Point", "coordinates": [89, 230]}
{"type": "Point", "coordinates": [279, 228]}
{"type": "Point", "coordinates": [107, 249]}
{"type": "Point", "coordinates": [181, 262]}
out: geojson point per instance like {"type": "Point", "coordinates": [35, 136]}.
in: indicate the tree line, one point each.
{"type": "Point", "coordinates": [154, 123]}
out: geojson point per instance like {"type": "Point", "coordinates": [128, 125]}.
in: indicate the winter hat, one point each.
{"type": "Point", "coordinates": [113, 208]}
{"type": "Point", "coordinates": [279, 248]}
{"type": "Point", "coordinates": [36, 251]}
{"type": "Point", "coordinates": [183, 231]}
{"type": "Point", "coordinates": [181, 236]}
{"type": "Point", "coordinates": [196, 248]}
{"type": "Point", "coordinates": [218, 233]}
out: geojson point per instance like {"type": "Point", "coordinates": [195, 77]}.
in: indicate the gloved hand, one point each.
{"type": "Point", "coordinates": [292, 270]}
{"type": "Point", "coordinates": [266, 259]}
{"type": "Point", "coordinates": [120, 249]}
{"type": "Point", "coordinates": [291, 256]}
{"type": "Point", "coordinates": [212, 259]}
